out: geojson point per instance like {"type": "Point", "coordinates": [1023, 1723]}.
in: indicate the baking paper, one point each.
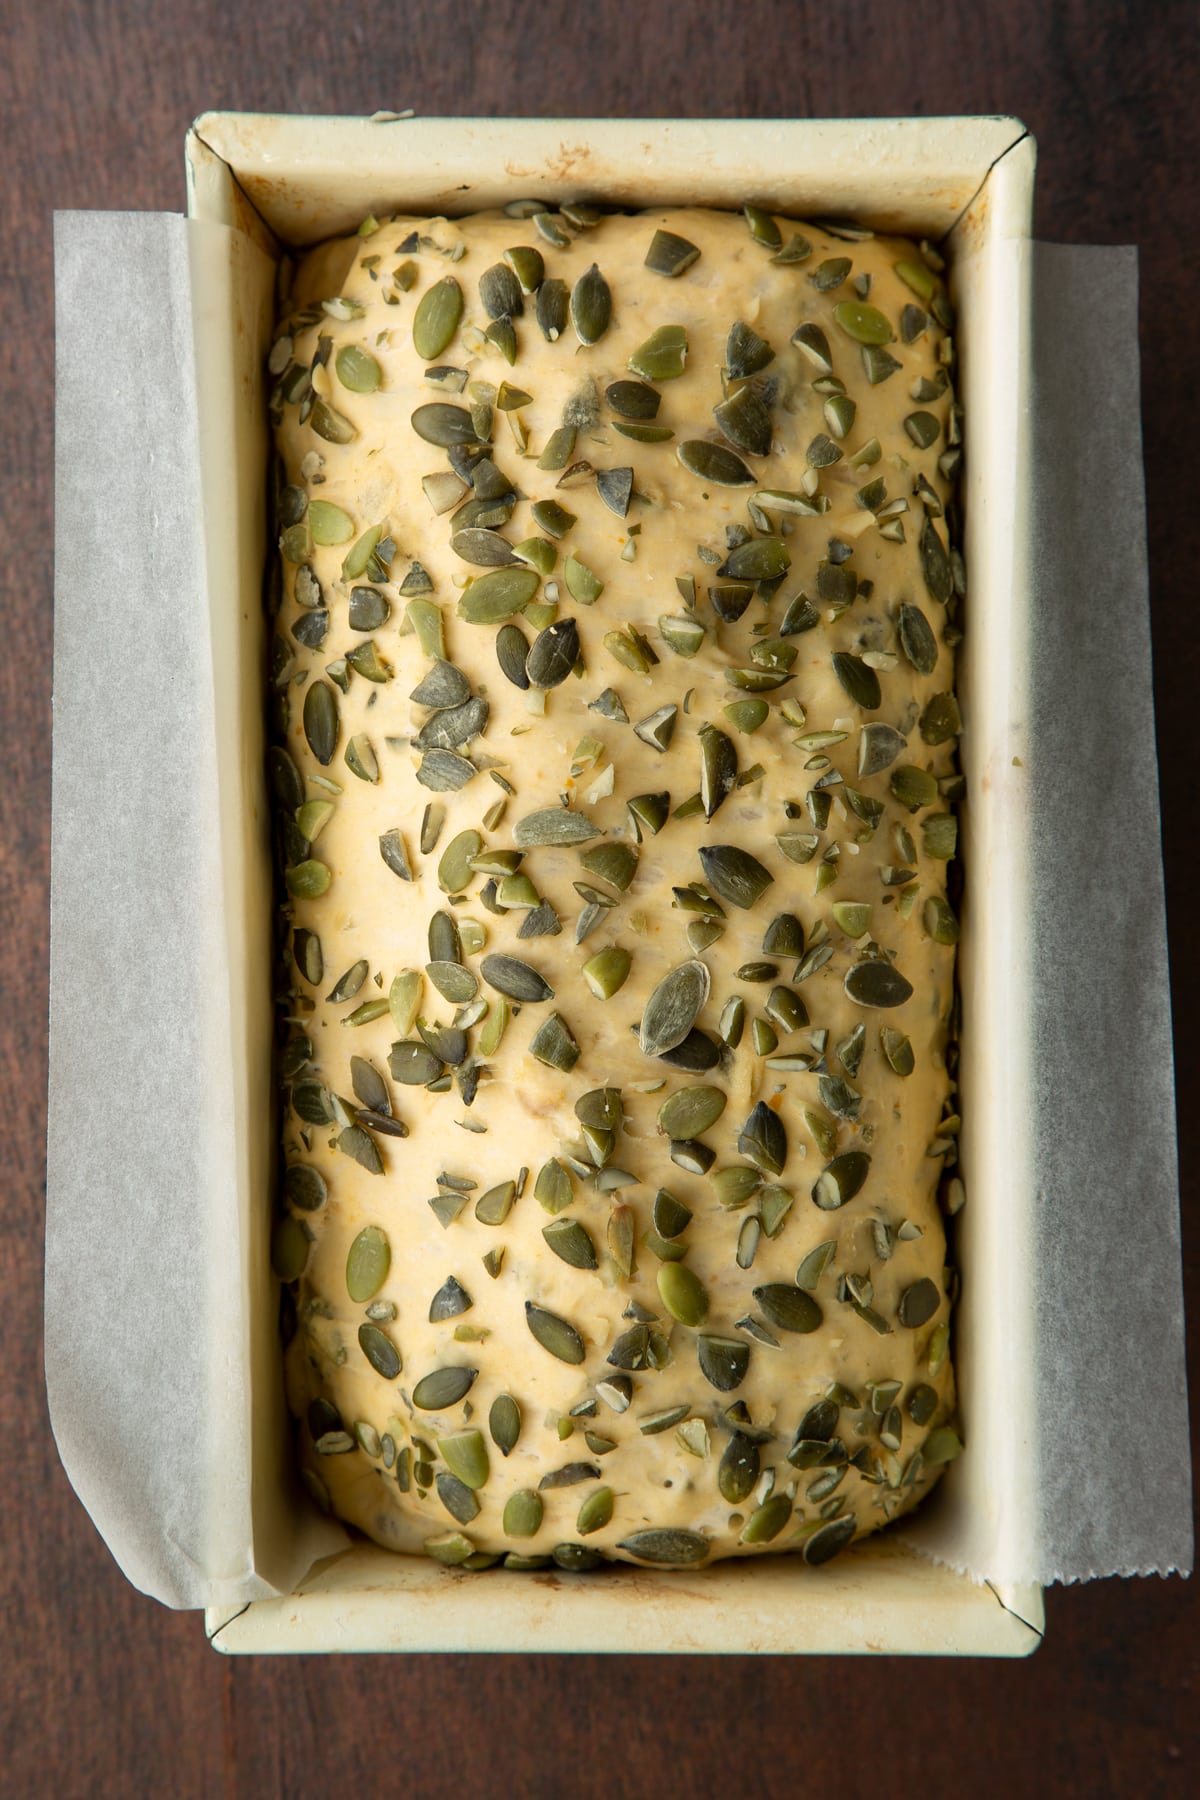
{"type": "Point", "coordinates": [162, 1374]}
{"type": "Point", "coordinates": [153, 1207]}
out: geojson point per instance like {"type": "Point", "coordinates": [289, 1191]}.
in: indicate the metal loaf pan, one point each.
{"type": "Point", "coordinates": [284, 183]}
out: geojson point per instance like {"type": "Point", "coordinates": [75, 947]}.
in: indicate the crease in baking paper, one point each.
{"type": "Point", "coordinates": [164, 1383]}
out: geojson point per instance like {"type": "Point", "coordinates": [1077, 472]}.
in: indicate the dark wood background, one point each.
{"type": "Point", "coordinates": [104, 1692]}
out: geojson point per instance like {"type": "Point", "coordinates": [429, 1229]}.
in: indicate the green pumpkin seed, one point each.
{"type": "Point", "coordinates": [436, 319]}
{"type": "Point", "coordinates": [512, 648]}
{"type": "Point", "coordinates": [663, 355]}
{"type": "Point", "coordinates": [878, 747]}
{"type": "Point", "coordinates": [633, 399]}
{"type": "Point", "coordinates": [669, 254]}
{"type": "Point", "coordinates": [308, 880]}
{"type": "Point", "coordinates": [814, 1265]}
{"type": "Point", "coordinates": [569, 1241]}
{"type": "Point", "coordinates": [877, 983]}
{"type": "Point", "coordinates": [940, 721]}
{"type": "Point", "coordinates": [865, 324]}
{"type": "Point", "coordinates": [671, 1216]}
{"type": "Point", "coordinates": [734, 874]}
{"type": "Point", "coordinates": [444, 771]}
{"type": "Point", "coordinates": [554, 1334]}
{"type": "Point", "coordinates": [615, 488]}
{"type": "Point", "coordinates": [787, 1307]}
{"type": "Point", "coordinates": [305, 1187]}
{"type": "Point", "coordinates": [492, 598]}
{"type": "Point", "coordinates": [440, 423]}
{"type": "Point", "coordinates": [527, 265]}
{"type": "Point", "coordinates": [607, 971]}
{"type": "Point", "coordinates": [357, 369]}
{"type": "Point", "coordinates": [935, 563]}
{"type": "Point", "coordinates": [465, 1455]}
{"type": "Point", "coordinates": [938, 919]}
{"type": "Point", "coordinates": [523, 1514]}
{"type": "Point", "coordinates": [829, 1541]}
{"type": "Point", "coordinates": [500, 292]}
{"type": "Point", "coordinates": [289, 1248]}
{"type": "Point", "coordinates": [379, 1351]}
{"type": "Point", "coordinates": [508, 975]}
{"type": "Point", "coordinates": [840, 412]}
{"type": "Point", "coordinates": [554, 1044]}
{"type": "Point", "coordinates": [691, 1112]}
{"type": "Point", "coordinates": [858, 679]}
{"type": "Point", "coordinates": [914, 787]}
{"type": "Point", "coordinates": [663, 1548]}
{"type": "Point", "coordinates": [591, 306]}
{"type": "Point", "coordinates": [552, 1188]}
{"type": "Point", "coordinates": [485, 549]}
{"type": "Point", "coordinates": [713, 463]}
{"type": "Point", "coordinates": [763, 228]}
{"type": "Point", "coordinates": [784, 936]}
{"type": "Point", "coordinates": [918, 1303]}
{"type": "Point", "coordinates": [413, 1064]}
{"type": "Point", "coordinates": [723, 1361]}
{"type": "Point", "coordinates": [443, 1388]}
{"type": "Point", "coordinates": [941, 1446]}
{"type": "Point", "coordinates": [367, 1264]}
{"type": "Point", "coordinates": [745, 352]}
{"type": "Point", "coordinates": [321, 721]}
{"type": "Point", "coordinates": [746, 422]}
{"type": "Point", "coordinates": [682, 1293]}
{"type": "Point", "coordinates": [762, 559]}
{"type": "Point", "coordinates": [348, 984]}
{"type": "Point", "coordinates": [878, 364]}
{"type": "Point", "coordinates": [767, 1520]}
{"type": "Point", "coordinates": [453, 982]}
{"type": "Point", "coordinates": [450, 1301]}
{"type": "Point", "coordinates": [504, 1423]}
{"type": "Point", "coordinates": [553, 825]}
{"type": "Point", "coordinates": [553, 654]}
{"type": "Point", "coordinates": [550, 310]}
{"type": "Point", "coordinates": [763, 1139]}
{"type": "Point", "coordinates": [457, 1498]}
{"type": "Point", "coordinates": [333, 426]}
{"type": "Point", "coordinates": [673, 1007]}
{"type": "Point", "coordinates": [841, 1179]}
{"type": "Point", "coordinates": [815, 345]}
{"type": "Point", "coordinates": [746, 715]}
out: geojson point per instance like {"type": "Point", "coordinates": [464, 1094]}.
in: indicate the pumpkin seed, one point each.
{"type": "Point", "coordinates": [455, 866]}
{"type": "Point", "coordinates": [939, 921]}
{"type": "Point", "coordinates": [670, 254]}
{"type": "Point", "coordinates": [723, 1361]}
{"type": "Point", "coordinates": [822, 452]}
{"type": "Point", "coordinates": [941, 1446]}
{"type": "Point", "coordinates": [746, 422]}
{"type": "Point", "coordinates": [878, 364]}
{"type": "Point", "coordinates": [762, 559]}
{"type": "Point", "coordinates": [571, 1242]}
{"type": "Point", "coordinates": [767, 1520]}
{"type": "Point", "coordinates": [746, 715]}
{"type": "Point", "coordinates": [878, 747]}
{"type": "Point", "coordinates": [379, 1351]}
{"type": "Point", "coordinates": [527, 265]}
{"type": "Point", "coordinates": [658, 728]}
{"type": "Point", "coordinates": [357, 369]}
{"type": "Point", "coordinates": [787, 1307]}
{"type": "Point", "coordinates": [633, 399]}
{"type": "Point", "coordinates": [443, 1388]}
{"type": "Point", "coordinates": [615, 488]}
{"type": "Point", "coordinates": [554, 1334]}
{"type": "Point", "coordinates": [682, 1293]}
{"type": "Point", "coordinates": [852, 917]}
{"type": "Point", "coordinates": [289, 1252]}
{"type": "Point", "coordinates": [829, 1541]}
{"type": "Point", "coordinates": [690, 1112]}
{"type": "Point", "coordinates": [451, 1300]}
{"type": "Point", "coordinates": [662, 1548]}
{"type": "Point", "coordinates": [734, 874]}
{"type": "Point", "coordinates": [440, 423]}
{"type": "Point", "coordinates": [673, 1007]}
{"type": "Point", "coordinates": [840, 412]}
{"type": "Point", "coordinates": [553, 654]}
{"type": "Point", "coordinates": [321, 721]}
{"type": "Point", "coordinates": [485, 549]}
{"type": "Point", "coordinates": [457, 1498]}
{"type": "Point", "coordinates": [745, 352]}
{"type": "Point", "coordinates": [553, 825]}
{"type": "Point", "coordinates": [523, 1514]}
{"type": "Point", "coordinates": [812, 340]}
{"type": "Point", "coordinates": [940, 720]}
{"type": "Point", "coordinates": [591, 306]}
{"type": "Point", "coordinates": [914, 787]}
{"type": "Point", "coordinates": [367, 1262]}
{"type": "Point", "coordinates": [331, 425]}
{"type": "Point", "coordinates": [494, 597]}
{"type": "Point", "coordinates": [841, 1179]}
{"type": "Point", "coordinates": [713, 463]}
{"type": "Point", "coordinates": [436, 319]}
{"type": "Point", "coordinates": [413, 1064]}
{"type": "Point", "coordinates": [500, 292]}
{"type": "Point", "coordinates": [858, 679]}
{"type": "Point", "coordinates": [607, 971]}
{"type": "Point", "coordinates": [512, 648]}
{"type": "Point", "coordinates": [763, 1139]}
{"type": "Point", "coordinates": [865, 324]}
{"type": "Point", "coordinates": [308, 880]}
{"type": "Point", "coordinates": [662, 356]}
{"type": "Point", "coordinates": [508, 975]}
{"type": "Point", "coordinates": [465, 1455]}
{"type": "Point", "coordinates": [305, 1187]}
{"type": "Point", "coordinates": [453, 982]}
{"type": "Point", "coordinates": [935, 563]}
{"type": "Point", "coordinates": [877, 983]}
{"type": "Point", "coordinates": [554, 1044]}
{"type": "Point", "coordinates": [551, 307]}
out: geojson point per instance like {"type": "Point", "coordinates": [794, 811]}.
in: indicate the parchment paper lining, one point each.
{"type": "Point", "coordinates": [166, 1403]}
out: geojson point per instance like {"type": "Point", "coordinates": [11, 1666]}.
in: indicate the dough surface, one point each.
{"type": "Point", "coordinates": [841, 796]}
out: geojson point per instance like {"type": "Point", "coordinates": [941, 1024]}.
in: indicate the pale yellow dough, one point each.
{"type": "Point", "coordinates": [663, 1480]}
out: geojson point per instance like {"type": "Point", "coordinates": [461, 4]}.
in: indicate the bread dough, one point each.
{"type": "Point", "coordinates": [369, 1452]}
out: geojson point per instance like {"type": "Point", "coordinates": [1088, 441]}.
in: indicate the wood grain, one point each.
{"type": "Point", "coordinates": [106, 1693]}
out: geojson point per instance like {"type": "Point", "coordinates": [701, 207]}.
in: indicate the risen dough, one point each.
{"type": "Point", "coordinates": [878, 1352]}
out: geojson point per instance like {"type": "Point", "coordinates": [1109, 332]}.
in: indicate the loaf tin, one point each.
{"type": "Point", "coordinates": [960, 1577]}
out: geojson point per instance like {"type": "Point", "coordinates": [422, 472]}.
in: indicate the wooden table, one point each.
{"type": "Point", "coordinates": [104, 1692]}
